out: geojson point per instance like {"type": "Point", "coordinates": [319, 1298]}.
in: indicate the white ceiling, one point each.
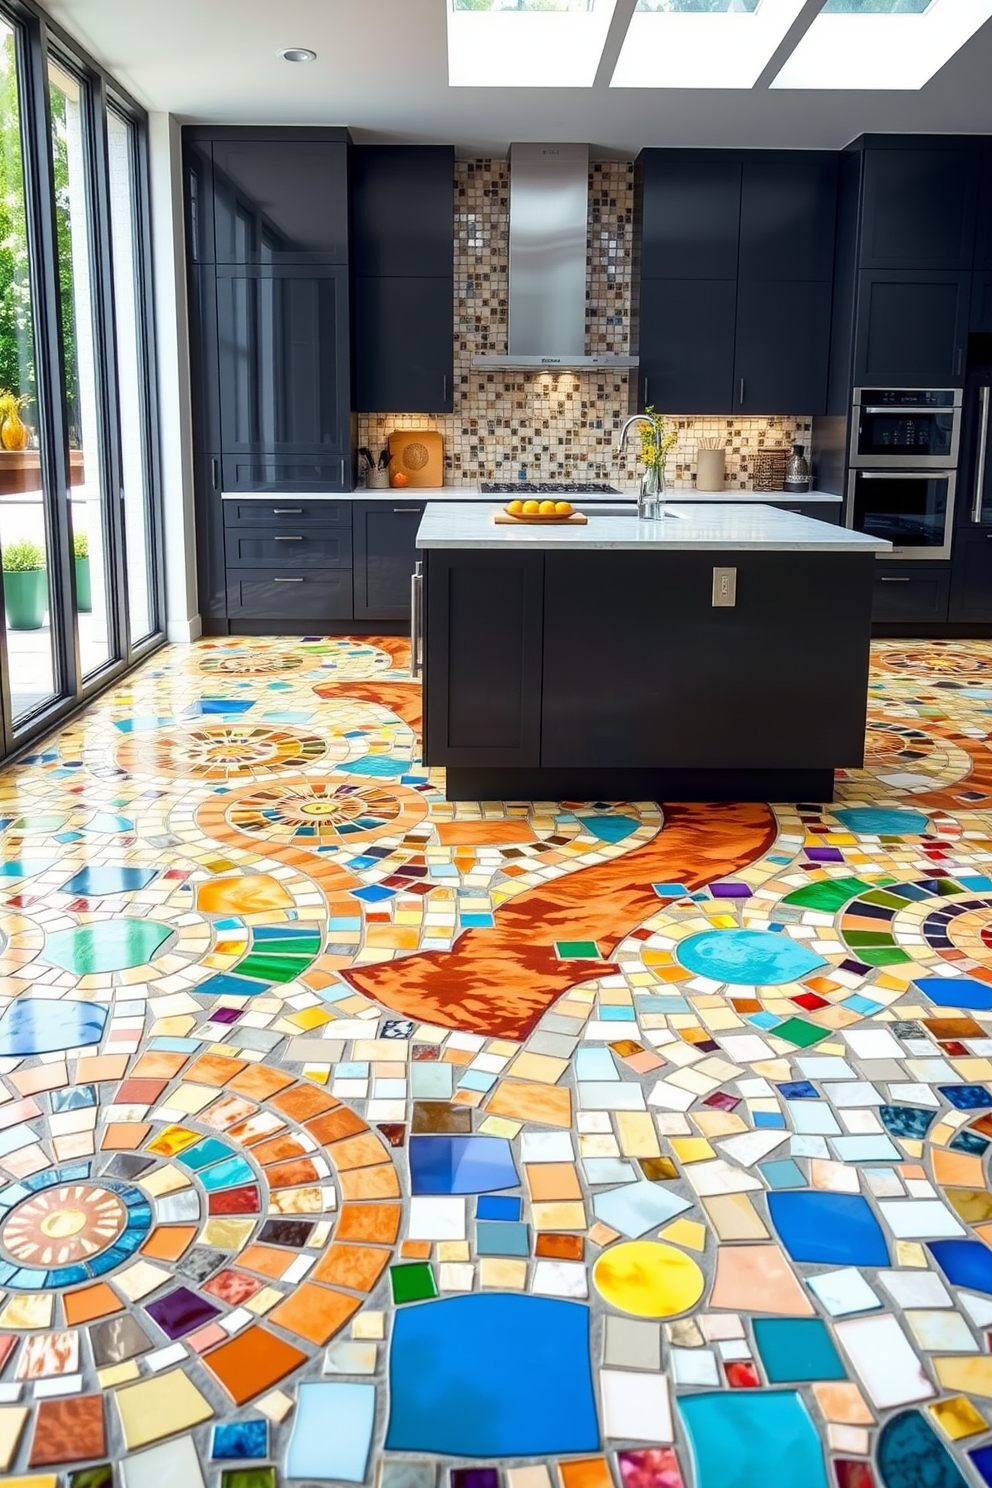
{"type": "Point", "coordinates": [381, 70]}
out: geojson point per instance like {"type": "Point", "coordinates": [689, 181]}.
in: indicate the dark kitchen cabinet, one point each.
{"type": "Point", "coordinates": [971, 576]}
{"type": "Point", "coordinates": [404, 344]}
{"type": "Point", "coordinates": [403, 211]}
{"type": "Point", "coordinates": [983, 235]}
{"type": "Point", "coordinates": [911, 593]}
{"type": "Point", "coordinates": [981, 303]}
{"type": "Point", "coordinates": [782, 347]}
{"type": "Point", "coordinates": [280, 196]}
{"type": "Point", "coordinates": [919, 200]}
{"type": "Point", "coordinates": [688, 213]}
{"type": "Point", "coordinates": [686, 332]}
{"type": "Point", "coordinates": [284, 364]}
{"type": "Point", "coordinates": [385, 534]}
{"type": "Point", "coordinates": [788, 215]}
{"type": "Point", "coordinates": [288, 596]}
{"type": "Point", "coordinates": [911, 328]}
{"type": "Point", "coordinates": [210, 578]}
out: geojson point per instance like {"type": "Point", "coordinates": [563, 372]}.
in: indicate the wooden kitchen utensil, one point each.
{"type": "Point", "coordinates": [504, 519]}
{"type": "Point", "coordinates": [419, 455]}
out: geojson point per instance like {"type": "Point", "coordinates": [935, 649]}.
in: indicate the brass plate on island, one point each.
{"type": "Point", "coordinates": [507, 519]}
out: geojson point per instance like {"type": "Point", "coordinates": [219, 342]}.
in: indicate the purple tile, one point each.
{"type": "Point", "coordinates": [730, 890]}
{"type": "Point", "coordinates": [824, 854]}
{"type": "Point", "coordinates": [181, 1311]}
{"type": "Point", "coordinates": [225, 1015]}
{"type": "Point", "coordinates": [474, 1477]}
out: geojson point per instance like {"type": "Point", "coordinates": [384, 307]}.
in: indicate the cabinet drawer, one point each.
{"type": "Point", "coordinates": [287, 515]}
{"type": "Point", "coordinates": [324, 595]}
{"type": "Point", "coordinates": [820, 511]}
{"type": "Point", "coordinates": [312, 549]}
{"type": "Point", "coordinates": [289, 473]}
{"type": "Point", "coordinates": [921, 594]}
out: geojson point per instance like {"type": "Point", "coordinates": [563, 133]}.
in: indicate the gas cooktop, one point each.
{"type": "Point", "coordinates": [548, 488]}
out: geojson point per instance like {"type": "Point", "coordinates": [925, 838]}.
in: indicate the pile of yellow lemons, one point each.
{"type": "Point", "coordinates": [540, 508]}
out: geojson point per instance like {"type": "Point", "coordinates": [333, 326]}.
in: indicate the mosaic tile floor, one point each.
{"type": "Point", "coordinates": [349, 1135]}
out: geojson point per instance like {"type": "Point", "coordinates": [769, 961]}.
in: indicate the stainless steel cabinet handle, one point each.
{"type": "Point", "coordinates": [287, 539]}
{"type": "Point", "coordinates": [900, 475]}
{"type": "Point", "coordinates": [647, 384]}
{"type": "Point", "coordinates": [287, 511]}
{"type": "Point", "coordinates": [444, 388]}
{"type": "Point", "coordinates": [342, 470]}
{"type": "Point", "coordinates": [416, 595]}
{"type": "Point", "coordinates": [406, 511]}
{"type": "Point", "coordinates": [895, 581]}
{"type": "Point", "coordinates": [287, 581]}
{"type": "Point", "coordinates": [214, 473]}
{"type": "Point", "coordinates": [984, 398]}
{"type": "Point", "coordinates": [741, 399]}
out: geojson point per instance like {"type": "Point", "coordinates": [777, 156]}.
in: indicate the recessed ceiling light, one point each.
{"type": "Point", "coordinates": [298, 54]}
{"type": "Point", "coordinates": [702, 43]}
{"type": "Point", "coordinates": [876, 44]}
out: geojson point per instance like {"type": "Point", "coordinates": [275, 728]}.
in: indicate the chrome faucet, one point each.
{"type": "Point", "coordinates": [648, 505]}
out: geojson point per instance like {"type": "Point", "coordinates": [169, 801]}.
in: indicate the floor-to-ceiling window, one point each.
{"type": "Point", "coordinates": [79, 521]}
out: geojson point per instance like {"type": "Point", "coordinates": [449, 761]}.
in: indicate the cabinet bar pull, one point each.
{"type": "Point", "coordinates": [895, 581]}
{"type": "Point", "coordinates": [444, 388]}
{"type": "Point", "coordinates": [287, 511]}
{"type": "Point", "coordinates": [647, 384]}
{"type": "Point", "coordinates": [741, 399]}
{"type": "Point", "coordinates": [342, 471]}
{"type": "Point", "coordinates": [214, 472]}
{"type": "Point", "coordinates": [287, 539]}
{"type": "Point", "coordinates": [416, 619]}
{"type": "Point", "coordinates": [959, 362]}
{"type": "Point", "coordinates": [984, 396]}
{"type": "Point", "coordinates": [287, 581]}
{"type": "Point", "coordinates": [406, 511]}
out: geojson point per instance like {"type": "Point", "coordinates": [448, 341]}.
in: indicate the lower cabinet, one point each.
{"type": "Point", "coordinates": [911, 593]}
{"type": "Point", "coordinates": [311, 596]}
{"type": "Point", "coordinates": [385, 538]}
{"type": "Point", "coordinates": [971, 576]}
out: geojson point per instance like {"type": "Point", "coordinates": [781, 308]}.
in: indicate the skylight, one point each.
{"type": "Point", "coordinates": [526, 43]}
{"type": "Point", "coordinates": [702, 43]}
{"type": "Point", "coordinates": [881, 43]}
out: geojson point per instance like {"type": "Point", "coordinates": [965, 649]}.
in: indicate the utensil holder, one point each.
{"type": "Point", "coordinates": [377, 480]}
{"type": "Point", "coordinates": [710, 469]}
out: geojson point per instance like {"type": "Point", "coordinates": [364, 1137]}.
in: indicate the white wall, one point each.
{"type": "Point", "coordinates": [175, 414]}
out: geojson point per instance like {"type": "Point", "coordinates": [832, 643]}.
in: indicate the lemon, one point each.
{"type": "Point", "coordinates": [547, 508]}
{"type": "Point", "coordinates": [515, 508]}
{"type": "Point", "coordinates": [531, 508]}
{"type": "Point", "coordinates": [563, 508]}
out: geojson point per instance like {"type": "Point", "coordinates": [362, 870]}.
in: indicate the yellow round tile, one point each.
{"type": "Point", "coordinates": [648, 1279]}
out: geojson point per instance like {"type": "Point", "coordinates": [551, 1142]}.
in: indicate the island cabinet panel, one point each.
{"type": "Point", "coordinates": [385, 554]}
{"type": "Point", "coordinates": [483, 635]}
{"type": "Point", "coordinates": [652, 676]}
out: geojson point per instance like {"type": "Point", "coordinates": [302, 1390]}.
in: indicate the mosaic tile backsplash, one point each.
{"type": "Point", "coordinates": [545, 426]}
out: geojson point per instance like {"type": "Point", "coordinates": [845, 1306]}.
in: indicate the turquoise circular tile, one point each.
{"type": "Point", "coordinates": [751, 958]}
{"type": "Point", "coordinates": [114, 945]}
{"type": "Point", "coordinates": [883, 821]}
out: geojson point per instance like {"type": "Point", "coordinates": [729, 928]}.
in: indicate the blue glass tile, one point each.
{"type": "Point", "coordinates": [27, 1279]}
{"type": "Point", "coordinates": [964, 1097]}
{"type": "Point", "coordinates": [210, 1150]}
{"type": "Point", "coordinates": [909, 1453]}
{"type": "Point", "coordinates": [75, 1097]}
{"type": "Point", "coordinates": [670, 890]}
{"type": "Point", "coordinates": [66, 1276]}
{"type": "Point", "coordinates": [663, 1004]}
{"type": "Point", "coordinates": [477, 1080]}
{"type": "Point", "coordinates": [906, 1121]}
{"type": "Point", "coordinates": [611, 828]}
{"type": "Point", "coordinates": [638, 1207]}
{"type": "Point", "coordinates": [608, 1170]}
{"type": "Point", "coordinates": [40, 1026]}
{"type": "Point", "coordinates": [454, 1165]}
{"type": "Point", "coordinates": [94, 883]}
{"type": "Point", "coordinates": [495, 1206]}
{"type": "Point", "coordinates": [743, 1438]}
{"type": "Point", "coordinates": [229, 984]}
{"type": "Point", "coordinates": [982, 1459]}
{"type": "Point", "coordinates": [772, 1120]}
{"type": "Point", "coordinates": [502, 1238]}
{"type": "Point", "coordinates": [969, 1142]}
{"type": "Point", "coordinates": [796, 1350]}
{"type": "Point", "coordinates": [616, 1014]}
{"type": "Point", "coordinates": [6, 1272]}
{"type": "Point", "coordinates": [207, 707]}
{"type": "Point", "coordinates": [834, 1229]}
{"type": "Point", "coordinates": [863, 1005]}
{"type": "Point", "coordinates": [798, 1090]}
{"type": "Point", "coordinates": [784, 1173]}
{"type": "Point", "coordinates": [965, 1263]}
{"type": "Point", "coordinates": [373, 893]}
{"type": "Point", "coordinates": [351, 1069]}
{"type": "Point", "coordinates": [747, 957]}
{"type": "Point", "coordinates": [882, 821]}
{"type": "Point", "coordinates": [764, 1020]}
{"type": "Point", "coordinates": [531, 1384]}
{"type": "Point", "coordinates": [476, 921]}
{"type": "Point", "coordinates": [375, 765]}
{"type": "Point", "coordinates": [595, 1064]}
{"type": "Point", "coordinates": [240, 1439]}
{"type": "Point", "coordinates": [332, 1429]}
{"type": "Point", "coordinates": [227, 1174]}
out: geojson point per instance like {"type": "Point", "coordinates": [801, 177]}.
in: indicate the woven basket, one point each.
{"type": "Point", "coordinates": [769, 470]}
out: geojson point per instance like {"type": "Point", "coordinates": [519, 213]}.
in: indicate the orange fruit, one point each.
{"type": "Point", "coordinates": [515, 508]}
{"type": "Point", "coordinates": [547, 508]}
{"type": "Point", "coordinates": [563, 508]}
{"type": "Point", "coordinates": [531, 508]}
{"type": "Point", "coordinates": [399, 479]}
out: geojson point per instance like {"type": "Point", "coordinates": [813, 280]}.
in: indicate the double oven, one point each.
{"type": "Point", "coordinates": [902, 468]}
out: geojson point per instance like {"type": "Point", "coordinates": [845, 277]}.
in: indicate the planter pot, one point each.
{"type": "Point", "coordinates": [26, 599]}
{"type": "Point", "coordinates": [84, 594]}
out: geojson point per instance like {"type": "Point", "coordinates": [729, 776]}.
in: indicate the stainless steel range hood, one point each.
{"type": "Point", "coordinates": [549, 214]}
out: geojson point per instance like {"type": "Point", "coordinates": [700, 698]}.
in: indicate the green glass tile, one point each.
{"type": "Point", "coordinates": [115, 945]}
{"type": "Point", "coordinates": [881, 956]}
{"type": "Point", "coordinates": [798, 1031]}
{"type": "Point", "coordinates": [577, 950]}
{"type": "Point", "coordinates": [885, 901]}
{"type": "Point", "coordinates": [413, 1282]}
{"type": "Point", "coordinates": [248, 1477]}
{"type": "Point", "coordinates": [868, 937]}
{"type": "Point", "coordinates": [92, 1477]}
{"type": "Point", "coordinates": [830, 894]}
{"type": "Point", "coordinates": [272, 968]}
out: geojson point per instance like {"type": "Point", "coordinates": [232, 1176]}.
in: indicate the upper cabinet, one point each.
{"type": "Point", "coordinates": [688, 213]}
{"type": "Point", "coordinates": [404, 211]}
{"type": "Point", "coordinates": [983, 238]}
{"type": "Point", "coordinates": [268, 196]}
{"type": "Point", "coordinates": [919, 201]}
{"type": "Point", "coordinates": [788, 211]}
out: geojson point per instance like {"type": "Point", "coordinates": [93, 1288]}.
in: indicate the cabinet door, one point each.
{"type": "Point", "coordinates": [783, 348]}
{"type": "Point", "coordinates": [280, 201]}
{"type": "Point", "coordinates": [404, 345]}
{"type": "Point", "coordinates": [971, 576]}
{"type": "Point", "coordinates": [983, 240]}
{"type": "Point", "coordinates": [385, 553]}
{"type": "Point", "coordinates": [788, 214]}
{"type": "Point", "coordinates": [911, 329]}
{"type": "Point", "coordinates": [686, 330]}
{"type": "Point", "coordinates": [918, 207]}
{"type": "Point", "coordinates": [914, 594]}
{"type": "Point", "coordinates": [284, 360]}
{"type": "Point", "coordinates": [403, 208]}
{"type": "Point", "coordinates": [211, 586]}
{"type": "Point", "coordinates": [981, 304]}
{"type": "Point", "coordinates": [689, 204]}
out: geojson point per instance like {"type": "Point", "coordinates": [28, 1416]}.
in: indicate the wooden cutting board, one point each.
{"type": "Point", "coordinates": [576, 519]}
{"type": "Point", "coordinates": [419, 454]}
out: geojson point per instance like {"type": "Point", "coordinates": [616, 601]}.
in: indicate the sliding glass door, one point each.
{"type": "Point", "coordinates": [79, 520]}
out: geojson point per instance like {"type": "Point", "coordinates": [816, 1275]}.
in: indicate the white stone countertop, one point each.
{"type": "Point", "coordinates": [627, 492]}
{"type": "Point", "coordinates": [754, 528]}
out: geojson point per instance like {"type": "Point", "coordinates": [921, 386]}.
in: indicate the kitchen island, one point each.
{"type": "Point", "coordinates": [718, 653]}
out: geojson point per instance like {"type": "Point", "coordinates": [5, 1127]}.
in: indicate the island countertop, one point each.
{"type": "Point", "coordinates": [687, 527]}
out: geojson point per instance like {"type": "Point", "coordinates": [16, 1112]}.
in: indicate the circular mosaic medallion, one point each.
{"type": "Point", "coordinates": [228, 752]}
{"type": "Point", "coordinates": [934, 659]}
{"type": "Point", "coordinates": [753, 958]}
{"type": "Point", "coordinates": [251, 663]}
{"type": "Point", "coordinates": [648, 1279]}
{"type": "Point", "coordinates": [327, 813]}
{"type": "Point", "coordinates": [69, 1231]}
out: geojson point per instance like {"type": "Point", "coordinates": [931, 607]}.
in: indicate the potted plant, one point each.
{"type": "Point", "coordinates": [81, 563]}
{"type": "Point", "coordinates": [656, 441]}
{"type": "Point", "coordinates": [25, 585]}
